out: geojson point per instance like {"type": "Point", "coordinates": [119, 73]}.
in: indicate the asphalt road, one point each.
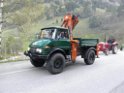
{"type": "Point", "coordinates": [106, 75]}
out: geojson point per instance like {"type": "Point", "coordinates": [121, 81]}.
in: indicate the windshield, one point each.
{"type": "Point", "coordinates": [47, 33]}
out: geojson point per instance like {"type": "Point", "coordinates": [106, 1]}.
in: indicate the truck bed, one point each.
{"type": "Point", "coordinates": [87, 42]}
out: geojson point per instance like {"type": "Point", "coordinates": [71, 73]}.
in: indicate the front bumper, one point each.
{"type": "Point", "coordinates": [35, 56]}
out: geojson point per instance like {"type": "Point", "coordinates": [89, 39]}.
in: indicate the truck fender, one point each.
{"type": "Point", "coordinates": [56, 50]}
{"type": "Point", "coordinates": [92, 48]}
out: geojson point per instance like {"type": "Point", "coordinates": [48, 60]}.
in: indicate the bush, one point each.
{"type": "Point", "coordinates": [94, 22]}
{"type": "Point", "coordinates": [1, 58]}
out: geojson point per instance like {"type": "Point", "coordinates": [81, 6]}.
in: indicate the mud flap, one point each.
{"type": "Point", "coordinates": [74, 47]}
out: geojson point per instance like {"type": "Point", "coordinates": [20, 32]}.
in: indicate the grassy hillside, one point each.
{"type": "Point", "coordinates": [24, 18]}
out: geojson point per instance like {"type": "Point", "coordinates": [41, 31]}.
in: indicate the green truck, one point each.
{"type": "Point", "coordinates": [53, 48]}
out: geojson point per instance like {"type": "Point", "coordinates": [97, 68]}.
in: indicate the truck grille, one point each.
{"type": "Point", "coordinates": [33, 50]}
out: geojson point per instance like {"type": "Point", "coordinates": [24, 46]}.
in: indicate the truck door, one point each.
{"type": "Point", "coordinates": [63, 41]}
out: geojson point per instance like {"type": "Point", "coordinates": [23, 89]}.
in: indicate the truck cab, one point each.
{"type": "Point", "coordinates": [49, 40]}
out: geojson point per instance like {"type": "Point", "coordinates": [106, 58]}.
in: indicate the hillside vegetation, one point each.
{"type": "Point", "coordinates": [24, 18]}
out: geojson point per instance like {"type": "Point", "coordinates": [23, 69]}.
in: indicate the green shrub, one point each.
{"type": "Point", "coordinates": [94, 22]}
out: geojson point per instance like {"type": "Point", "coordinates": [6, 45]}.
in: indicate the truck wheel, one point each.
{"type": "Point", "coordinates": [37, 63]}
{"type": "Point", "coordinates": [89, 57]}
{"type": "Point", "coordinates": [114, 49]}
{"type": "Point", "coordinates": [56, 63]}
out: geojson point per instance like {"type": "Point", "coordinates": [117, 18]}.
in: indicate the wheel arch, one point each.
{"type": "Point", "coordinates": [89, 49]}
{"type": "Point", "coordinates": [86, 50]}
{"type": "Point", "coordinates": [57, 50]}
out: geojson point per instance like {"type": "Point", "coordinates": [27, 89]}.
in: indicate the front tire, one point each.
{"type": "Point", "coordinates": [37, 63]}
{"type": "Point", "coordinates": [56, 63]}
{"type": "Point", "coordinates": [89, 57]}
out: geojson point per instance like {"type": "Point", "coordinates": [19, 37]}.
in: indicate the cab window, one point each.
{"type": "Point", "coordinates": [62, 34]}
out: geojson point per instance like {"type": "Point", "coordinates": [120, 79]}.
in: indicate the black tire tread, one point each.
{"type": "Point", "coordinates": [50, 63]}
{"type": "Point", "coordinates": [37, 63]}
{"type": "Point", "coordinates": [86, 60]}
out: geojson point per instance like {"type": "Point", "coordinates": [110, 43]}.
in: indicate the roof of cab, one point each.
{"type": "Point", "coordinates": [55, 27]}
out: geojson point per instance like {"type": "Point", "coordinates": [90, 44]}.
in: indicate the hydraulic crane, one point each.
{"type": "Point", "coordinates": [70, 21]}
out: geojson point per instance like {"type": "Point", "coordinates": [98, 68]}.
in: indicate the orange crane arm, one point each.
{"type": "Point", "coordinates": [70, 21]}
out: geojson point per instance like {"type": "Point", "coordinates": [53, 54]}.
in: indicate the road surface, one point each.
{"type": "Point", "coordinates": [106, 75]}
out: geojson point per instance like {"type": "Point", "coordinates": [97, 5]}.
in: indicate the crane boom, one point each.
{"type": "Point", "coordinates": [70, 21]}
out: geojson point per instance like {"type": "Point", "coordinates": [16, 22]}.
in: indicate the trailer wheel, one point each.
{"type": "Point", "coordinates": [37, 63]}
{"type": "Point", "coordinates": [89, 57]}
{"type": "Point", "coordinates": [121, 48]}
{"type": "Point", "coordinates": [106, 52]}
{"type": "Point", "coordinates": [56, 63]}
{"type": "Point", "coordinates": [114, 49]}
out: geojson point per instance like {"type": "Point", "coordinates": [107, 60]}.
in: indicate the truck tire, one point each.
{"type": "Point", "coordinates": [114, 49]}
{"type": "Point", "coordinates": [56, 63]}
{"type": "Point", "coordinates": [37, 63]}
{"type": "Point", "coordinates": [89, 57]}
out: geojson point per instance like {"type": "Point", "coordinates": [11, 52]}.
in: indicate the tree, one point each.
{"type": "Point", "coordinates": [87, 11]}
{"type": "Point", "coordinates": [120, 9]}
{"type": "Point", "coordinates": [94, 22]}
{"type": "Point", "coordinates": [70, 6]}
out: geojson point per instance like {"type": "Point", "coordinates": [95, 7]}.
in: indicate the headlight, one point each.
{"type": "Point", "coordinates": [28, 48]}
{"type": "Point", "coordinates": [39, 50]}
